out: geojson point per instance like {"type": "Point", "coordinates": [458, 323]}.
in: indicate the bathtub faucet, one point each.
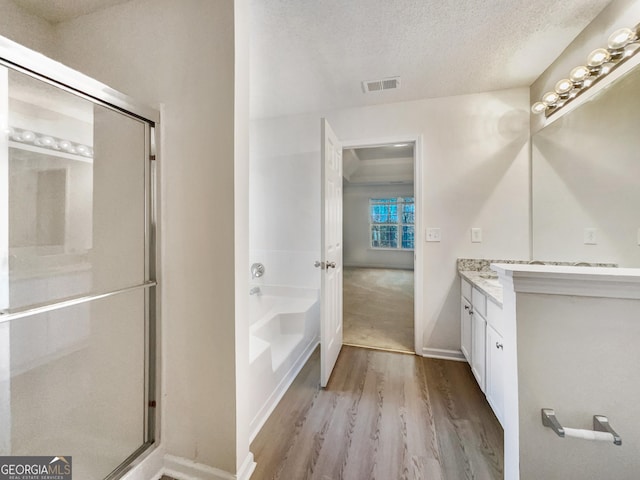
{"type": "Point", "coordinates": [255, 291]}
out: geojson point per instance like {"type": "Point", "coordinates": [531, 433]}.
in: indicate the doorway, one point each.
{"type": "Point", "coordinates": [379, 216]}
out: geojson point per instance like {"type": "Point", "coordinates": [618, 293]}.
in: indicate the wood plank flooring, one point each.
{"type": "Point", "coordinates": [378, 308]}
{"type": "Point", "coordinates": [383, 416]}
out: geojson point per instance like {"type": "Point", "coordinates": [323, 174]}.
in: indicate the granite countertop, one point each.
{"type": "Point", "coordinates": [478, 272]}
{"type": "Point", "coordinates": [486, 282]}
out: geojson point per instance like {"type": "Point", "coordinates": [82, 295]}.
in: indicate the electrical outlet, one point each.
{"type": "Point", "coordinates": [433, 235]}
{"type": "Point", "coordinates": [590, 236]}
{"type": "Point", "coordinates": [476, 235]}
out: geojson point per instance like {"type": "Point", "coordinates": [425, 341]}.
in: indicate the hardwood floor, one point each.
{"type": "Point", "coordinates": [383, 416]}
{"type": "Point", "coordinates": [378, 308]}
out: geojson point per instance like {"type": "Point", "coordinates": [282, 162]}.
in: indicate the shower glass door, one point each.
{"type": "Point", "coordinates": [76, 277]}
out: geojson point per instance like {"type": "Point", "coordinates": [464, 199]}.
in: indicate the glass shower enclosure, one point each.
{"type": "Point", "coordinates": [77, 268]}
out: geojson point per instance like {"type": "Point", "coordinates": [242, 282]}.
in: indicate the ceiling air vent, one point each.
{"type": "Point", "coordinates": [379, 85]}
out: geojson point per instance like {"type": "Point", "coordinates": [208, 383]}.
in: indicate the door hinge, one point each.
{"type": "Point", "coordinates": [152, 404]}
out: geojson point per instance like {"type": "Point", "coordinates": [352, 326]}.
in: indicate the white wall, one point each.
{"type": "Point", "coordinates": [244, 459]}
{"type": "Point", "coordinates": [475, 174]}
{"type": "Point", "coordinates": [181, 55]}
{"type": "Point", "coordinates": [356, 233]}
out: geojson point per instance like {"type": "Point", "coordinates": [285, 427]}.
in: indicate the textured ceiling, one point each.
{"type": "Point", "coordinates": [311, 55]}
{"type": "Point", "coordinates": [55, 11]}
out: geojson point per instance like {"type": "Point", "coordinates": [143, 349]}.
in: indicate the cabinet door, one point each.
{"type": "Point", "coordinates": [465, 328]}
{"type": "Point", "coordinates": [495, 372]}
{"type": "Point", "coordinates": [479, 326]}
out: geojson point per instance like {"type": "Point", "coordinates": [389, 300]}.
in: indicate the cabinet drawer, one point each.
{"type": "Point", "coordinates": [479, 302]}
{"type": "Point", "coordinates": [465, 288]}
{"type": "Point", "coordinates": [494, 316]}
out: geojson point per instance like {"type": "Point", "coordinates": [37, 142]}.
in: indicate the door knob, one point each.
{"type": "Point", "coordinates": [331, 265]}
{"type": "Point", "coordinates": [319, 264]}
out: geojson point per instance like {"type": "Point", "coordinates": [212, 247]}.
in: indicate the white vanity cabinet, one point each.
{"type": "Point", "coordinates": [482, 343]}
{"type": "Point", "coordinates": [466, 318]}
{"type": "Point", "coordinates": [479, 329]}
{"type": "Point", "coordinates": [494, 377]}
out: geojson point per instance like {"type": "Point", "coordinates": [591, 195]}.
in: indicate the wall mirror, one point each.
{"type": "Point", "coordinates": [585, 180]}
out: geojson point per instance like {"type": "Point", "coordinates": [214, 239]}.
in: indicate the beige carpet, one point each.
{"type": "Point", "coordinates": [378, 308]}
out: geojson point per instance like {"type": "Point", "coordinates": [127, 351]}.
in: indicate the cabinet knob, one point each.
{"type": "Point", "coordinates": [499, 345]}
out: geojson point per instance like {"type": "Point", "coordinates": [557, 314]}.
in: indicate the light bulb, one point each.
{"type": "Point", "coordinates": [538, 108]}
{"type": "Point", "coordinates": [82, 149]}
{"type": "Point", "coordinates": [621, 38]}
{"type": "Point", "coordinates": [550, 99]}
{"type": "Point", "coordinates": [64, 144]}
{"type": "Point", "coordinates": [46, 141]}
{"type": "Point", "coordinates": [28, 136]}
{"type": "Point", "coordinates": [579, 74]}
{"type": "Point", "coordinates": [598, 57]}
{"type": "Point", "coordinates": [564, 86]}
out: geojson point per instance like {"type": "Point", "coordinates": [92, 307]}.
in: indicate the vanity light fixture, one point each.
{"type": "Point", "coordinates": [621, 45]}
{"type": "Point", "coordinates": [28, 137]}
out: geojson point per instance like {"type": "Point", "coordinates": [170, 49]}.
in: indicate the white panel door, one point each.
{"type": "Point", "coordinates": [331, 264]}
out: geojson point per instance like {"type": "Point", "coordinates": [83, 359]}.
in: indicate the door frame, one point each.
{"type": "Point", "coordinates": [418, 259]}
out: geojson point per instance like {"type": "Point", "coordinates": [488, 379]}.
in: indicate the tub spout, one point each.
{"type": "Point", "coordinates": [255, 291]}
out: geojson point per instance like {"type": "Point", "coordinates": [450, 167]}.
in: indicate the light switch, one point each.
{"type": "Point", "coordinates": [433, 235]}
{"type": "Point", "coordinates": [476, 235]}
{"type": "Point", "coordinates": [590, 237]}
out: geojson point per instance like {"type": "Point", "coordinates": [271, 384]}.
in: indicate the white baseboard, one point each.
{"type": "Point", "coordinates": [443, 354]}
{"type": "Point", "coordinates": [247, 468]}
{"type": "Point", "coordinates": [149, 467]}
{"type": "Point", "coordinates": [185, 469]}
{"type": "Point", "coordinates": [154, 464]}
{"type": "Point", "coordinates": [267, 409]}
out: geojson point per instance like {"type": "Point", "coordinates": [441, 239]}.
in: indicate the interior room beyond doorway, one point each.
{"type": "Point", "coordinates": [378, 232]}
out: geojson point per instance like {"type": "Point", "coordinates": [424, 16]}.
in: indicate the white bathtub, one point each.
{"type": "Point", "coordinates": [285, 323]}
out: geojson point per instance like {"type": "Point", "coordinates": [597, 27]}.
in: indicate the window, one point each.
{"type": "Point", "coordinates": [391, 222]}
